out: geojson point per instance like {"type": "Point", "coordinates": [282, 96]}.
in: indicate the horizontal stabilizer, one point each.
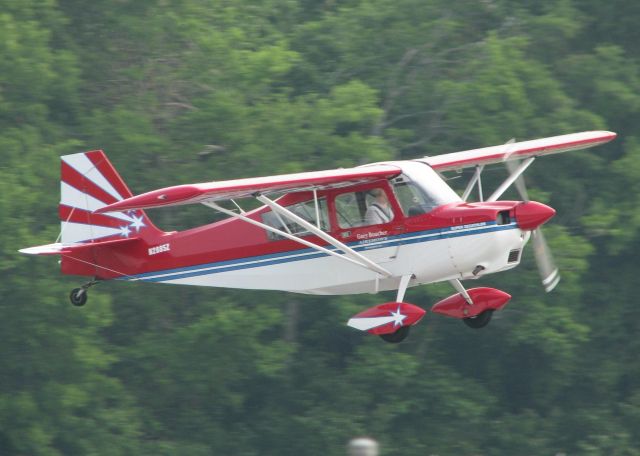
{"type": "Point", "coordinates": [48, 249]}
{"type": "Point", "coordinates": [61, 249]}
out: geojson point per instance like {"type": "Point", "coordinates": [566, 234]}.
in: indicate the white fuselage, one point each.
{"type": "Point", "coordinates": [430, 256]}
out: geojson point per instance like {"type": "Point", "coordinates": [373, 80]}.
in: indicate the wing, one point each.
{"type": "Point", "coordinates": [519, 150]}
{"type": "Point", "coordinates": [241, 188]}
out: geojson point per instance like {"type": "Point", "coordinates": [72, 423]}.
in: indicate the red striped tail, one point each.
{"type": "Point", "coordinates": [88, 181]}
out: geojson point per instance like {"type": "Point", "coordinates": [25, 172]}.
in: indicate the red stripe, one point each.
{"type": "Point", "coordinates": [102, 163]}
{"type": "Point", "coordinates": [85, 185]}
{"type": "Point", "coordinates": [88, 218]}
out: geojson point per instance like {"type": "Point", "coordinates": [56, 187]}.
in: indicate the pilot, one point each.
{"type": "Point", "coordinates": [379, 211]}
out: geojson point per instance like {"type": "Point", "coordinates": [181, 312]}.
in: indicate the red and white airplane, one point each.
{"type": "Point", "coordinates": [384, 226]}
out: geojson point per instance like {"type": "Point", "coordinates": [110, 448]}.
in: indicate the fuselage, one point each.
{"type": "Point", "coordinates": [431, 234]}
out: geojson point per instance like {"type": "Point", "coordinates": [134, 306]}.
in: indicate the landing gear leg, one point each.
{"type": "Point", "coordinates": [402, 332]}
{"type": "Point", "coordinates": [78, 296]}
{"type": "Point", "coordinates": [402, 288]}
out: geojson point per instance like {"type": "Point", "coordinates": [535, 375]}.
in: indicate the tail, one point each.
{"type": "Point", "coordinates": [88, 241]}
{"type": "Point", "coordinates": [88, 181]}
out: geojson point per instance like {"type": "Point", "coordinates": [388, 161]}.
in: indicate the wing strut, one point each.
{"type": "Point", "coordinates": [348, 251]}
{"type": "Point", "coordinates": [402, 288]}
{"type": "Point", "coordinates": [511, 179]}
{"type": "Point", "coordinates": [477, 177]}
{"type": "Point", "coordinates": [462, 290]}
{"type": "Point", "coordinates": [284, 234]}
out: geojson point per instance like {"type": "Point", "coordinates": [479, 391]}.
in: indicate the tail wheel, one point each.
{"type": "Point", "coordinates": [78, 297]}
{"type": "Point", "coordinates": [398, 336]}
{"type": "Point", "coordinates": [479, 321]}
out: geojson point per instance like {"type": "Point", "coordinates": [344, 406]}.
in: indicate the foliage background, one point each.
{"type": "Point", "coordinates": [180, 91]}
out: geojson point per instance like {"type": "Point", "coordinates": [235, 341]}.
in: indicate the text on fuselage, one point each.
{"type": "Point", "coordinates": [159, 249]}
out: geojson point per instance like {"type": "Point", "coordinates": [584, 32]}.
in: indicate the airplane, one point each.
{"type": "Point", "coordinates": [371, 228]}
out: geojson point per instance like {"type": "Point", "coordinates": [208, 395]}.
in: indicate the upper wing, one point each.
{"type": "Point", "coordinates": [518, 150]}
{"type": "Point", "coordinates": [240, 188]}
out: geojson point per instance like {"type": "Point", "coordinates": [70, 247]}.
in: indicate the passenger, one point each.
{"type": "Point", "coordinates": [379, 211]}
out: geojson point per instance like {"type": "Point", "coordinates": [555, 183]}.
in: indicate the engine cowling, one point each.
{"type": "Point", "coordinates": [483, 299]}
{"type": "Point", "coordinates": [531, 215]}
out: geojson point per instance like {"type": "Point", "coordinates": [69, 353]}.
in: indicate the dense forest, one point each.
{"type": "Point", "coordinates": [180, 91]}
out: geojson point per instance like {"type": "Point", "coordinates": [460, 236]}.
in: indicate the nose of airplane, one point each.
{"type": "Point", "coordinates": [531, 215]}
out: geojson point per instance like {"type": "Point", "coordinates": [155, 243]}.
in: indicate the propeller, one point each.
{"type": "Point", "coordinates": [546, 266]}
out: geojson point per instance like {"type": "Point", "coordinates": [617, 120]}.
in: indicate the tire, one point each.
{"type": "Point", "coordinates": [78, 297]}
{"type": "Point", "coordinates": [479, 321]}
{"type": "Point", "coordinates": [396, 337]}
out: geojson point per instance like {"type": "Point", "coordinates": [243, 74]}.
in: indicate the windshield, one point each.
{"type": "Point", "coordinates": [420, 189]}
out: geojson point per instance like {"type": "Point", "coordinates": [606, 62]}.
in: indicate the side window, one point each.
{"type": "Point", "coordinates": [306, 210]}
{"type": "Point", "coordinates": [370, 207]}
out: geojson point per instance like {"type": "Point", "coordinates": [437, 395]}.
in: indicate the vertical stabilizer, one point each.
{"type": "Point", "coordinates": [88, 181]}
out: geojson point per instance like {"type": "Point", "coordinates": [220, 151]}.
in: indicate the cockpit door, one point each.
{"type": "Point", "coordinates": [368, 219]}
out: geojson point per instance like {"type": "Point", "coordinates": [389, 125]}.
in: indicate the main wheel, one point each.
{"type": "Point", "coordinates": [78, 297]}
{"type": "Point", "coordinates": [479, 321]}
{"type": "Point", "coordinates": [398, 336]}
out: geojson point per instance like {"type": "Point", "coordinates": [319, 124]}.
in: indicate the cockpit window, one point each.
{"type": "Point", "coordinates": [371, 207]}
{"type": "Point", "coordinates": [305, 210]}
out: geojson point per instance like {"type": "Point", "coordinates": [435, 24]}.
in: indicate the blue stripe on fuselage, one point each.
{"type": "Point", "coordinates": [308, 254]}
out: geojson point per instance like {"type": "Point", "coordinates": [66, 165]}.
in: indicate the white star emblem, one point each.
{"type": "Point", "coordinates": [137, 223]}
{"type": "Point", "coordinates": [398, 318]}
{"type": "Point", "coordinates": [124, 231]}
